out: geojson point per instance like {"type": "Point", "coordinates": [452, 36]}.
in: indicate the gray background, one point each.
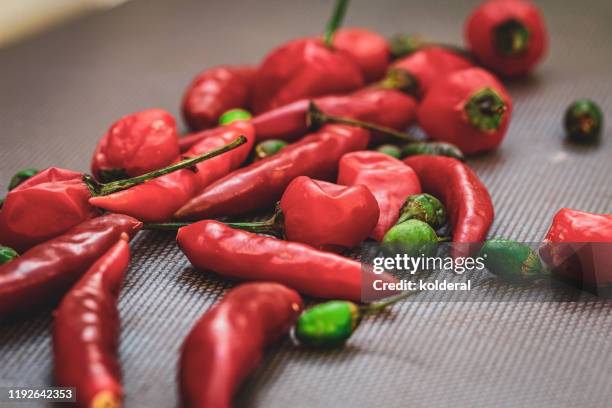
{"type": "Point", "coordinates": [61, 91]}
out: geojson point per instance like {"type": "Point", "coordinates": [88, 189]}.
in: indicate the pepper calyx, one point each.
{"type": "Point", "coordinates": [485, 109]}
{"type": "Point", "coordinates": [399, 79]}
{"type": "Point", "coordinates": [583, 121]}
{"type": "Point", "coordinates": [511, 38]}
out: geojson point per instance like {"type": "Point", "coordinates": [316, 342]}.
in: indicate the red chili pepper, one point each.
{"type": "Point", "coordinates": [48, 270]}
{"type": "Point", "coordinates": [86, 331]}
{"type": "Point", "coordinates": [237, 254]}
{"type": "Point", "coordinates": [262, 183]}
{"type": "Point", "coordinates": [429, 65]}
{"type": "Point", "coordinates": [326, 215]}
{"type": "Point", "coordinates": [577, 247]}
{"type": "Point", "coordinates": [468, 108]}
{"type": "Point", "coordinates": [136, 144]}
{"type": "Point", "coordinates": [508, 36]}
{"type": "Point", "coordinates": [467, 200]}
{"type": "Point", "coordinates": [214, 91]}
{"type": "Point", "coordinates": [368, 49]}
{"type": "Point", "coordinates": [228, 341]}
{"type": "Point", "coordinates": [390, 180]}
{"type": "Point", "coordinates": [383, 107]}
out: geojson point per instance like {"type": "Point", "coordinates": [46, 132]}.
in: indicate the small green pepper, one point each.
{"type": "Point", "coordinates": [330, 324]}
{"type": "Point", "coordinates": [20, 177]}
{"type": "Point", "coordinates": [433, 149]}
{"type": "Point", "coordinates": [583, 121]}
{"type": "Point", "coordinates": [268, 148]}
{"type": "Point", "coordinates": [7, 254]}
{"type": "Point", "coordinates": [391, 150]}
{"type": "Point", "coordinates": [233, 115]}
{"type": "Point", "coordinates": [412, 237]}
{"type": "Point", "coordinates": [511, 260]}
{"type": "Point", "coordinates": [423, 207]}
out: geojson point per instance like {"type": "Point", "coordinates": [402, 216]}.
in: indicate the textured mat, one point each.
{"type": "Point", "coordinates": [61, 91]}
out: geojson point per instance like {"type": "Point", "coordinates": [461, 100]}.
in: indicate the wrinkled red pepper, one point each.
{"type": "Point", "coordinates": [86, 332]}
{"type": "Point", "coordinates": [326, 215]}
{"type": "Point", "coordinates": [368, 49]}
{"type": "Point", "coordinates": [214, 91]}
{"type": "Point", "coordinates": [48, 270]}
{"type": "Point", "coordinates": [467, 200]}
{"type": "Point", "coordinates": [237, 254]}
{"type": "Point", "coordinates": [385, 107]}
{"type": "Point", "coordinates": [469, 108]}
{"type": "Point", "coordinates": [261, 184]}
{"type": "Point", "coordinates": [136, 144]}
{"type": "Point", "coordinates": [228, 341]}
{"type": "Point", "coordinates": [578, 247]}
{"type": "Point", "coordinates": [390, 180]}
{"type": "Point", "coordinates": [429, 65]}
{"type": "Point", "coordinates": [507, 36]}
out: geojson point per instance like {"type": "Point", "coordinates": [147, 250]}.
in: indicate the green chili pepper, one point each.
{"type": "Point", "coordinates": [330, 324]}
{"type": "Point", "coordinates": [433, 149]}
{"type": "Point", "coordinates": [268, 148]}
{"type": "Point", "coordinates": [233, 115]}
{"type": "Point", "coordinates": [391, 150]}
{"type": "Point", "coordinates": [583, 121]}
{"type": "Point", "coordinates": [511, 260]}
{"type": "Point", "coordinates": [423, 207]}
{"type": "Point", "coordinates": [21, 176]}
{"type": "Point", "coordinates": [412, 237]}
{"type": "Point", "coordinates": [7, 254]}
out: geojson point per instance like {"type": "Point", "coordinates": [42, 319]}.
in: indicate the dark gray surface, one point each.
{"type": "Point", "coordinates": [60, 92]}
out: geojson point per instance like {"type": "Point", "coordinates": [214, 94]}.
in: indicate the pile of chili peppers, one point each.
{"type": "Point", "coordinates": [322, 106]}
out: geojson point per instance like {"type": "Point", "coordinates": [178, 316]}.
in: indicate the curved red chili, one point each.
{"type": "Point", "coordinates": [469, 108]}
{"type": "Point", "coordinates": [390, 180]}
{"type": "Point", "coordinates": [237, 254]}
{"type": "Point", "coordinates": [228, 341]}
{"type": "Point", "coordinates": [46, 271]}
{"type": "Point", "coordinates": [467, 200]}
{"type": "Point", "coordinates": [368, 49]}
{"type": "Point", "coordinates": [214, 91]}
{"type": "Point", "coordinates": [326, 215]}
{"type": "Point", "coordinates": [507, 36]}
{"type": "Point", "coordinates": [136, 144]}
{"type": "Point", "coordinates": [261, 184]}
{"type": "Point", "coordinates": [86, 332]}
{"type": "Point", "coordinates": [428, 65]}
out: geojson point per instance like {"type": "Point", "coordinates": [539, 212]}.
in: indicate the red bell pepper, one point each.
{"type": "Point", "coordinates": [214, 91]}
{"type": "Point", "coordinates": [470, 109]}
{"type": "Point", "coordinates": [368, 49]}
{"type": "Point", "coordinates": [261, 184]}
{"type": "Point", "coordinates": [390, 180]}
{"type": "Point", "coordinates": [136, 144]}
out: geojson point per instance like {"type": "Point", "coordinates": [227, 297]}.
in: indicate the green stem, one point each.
{"type": "Point", "coordinates": [99, 189]}
{"type": "Point", "coordinates": [315, 118]}
{"type": "Point", "coordinates": [164, 226]}
{"type": "Point", "coordinates": [335, 22]}
{"type": "Point", "coordinates": [403, 45]}
{"type": "Point", "coordinates": [382, 304]}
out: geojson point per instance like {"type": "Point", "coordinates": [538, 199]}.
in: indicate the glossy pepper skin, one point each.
{"type": "Point", "coordinates": [303, 68]}
{"type": "Point", "coordinates": [390, 180]}
{"type": "Point", "coordinates": [466, 198]}
{"type": "Point", "coordinates": [428, 65]}
{"type": "Point", "coordinates": [86, 332]}
{"type": "Point", "coordinates": [368, 49]}
{"type": "Point", "coordinates": [470, 109]}
{"type": "Point", "coordinates": [136, 144]}
{"type": "Point", "coordinates": [214, 91]}
{"type": "Point", "coordinates": [327, 215]}
{"type": "Point", "coordinates": [261, 184]}
{"type": "Point", "coordinates": [236, 254]}
{"type": "Point", "coordinates": [507, 36]}
{"type": "Point", "coordinates": [228, 341]}
{"type": "Point", "coordinates": [48, 270]}
{"type": "Point", "coordinates": [25, 222]}
{"type": "Point", "coordinates": [578, 247]}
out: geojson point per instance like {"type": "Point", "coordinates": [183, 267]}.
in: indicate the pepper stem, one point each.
{"type": "Point", "coordinates": [99, 189]}
{"type": "Point", "coordinates": [376, 307]}
{"type": "Point", "coordinates": [335, 22]}
{"type": "Point", "coordinates": [316, 118]}
{"type": "Point", "coordinates": [511, 38]}
{"type": "Point", "coordinates": [399, 79]}
{"type": "Point", "coordinates": [402, 45]}
{"type": "Point", "coordinates": [485, 109]}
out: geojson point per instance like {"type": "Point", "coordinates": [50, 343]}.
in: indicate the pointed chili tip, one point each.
{"type": "Point", "coordinates": [124, 237]}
